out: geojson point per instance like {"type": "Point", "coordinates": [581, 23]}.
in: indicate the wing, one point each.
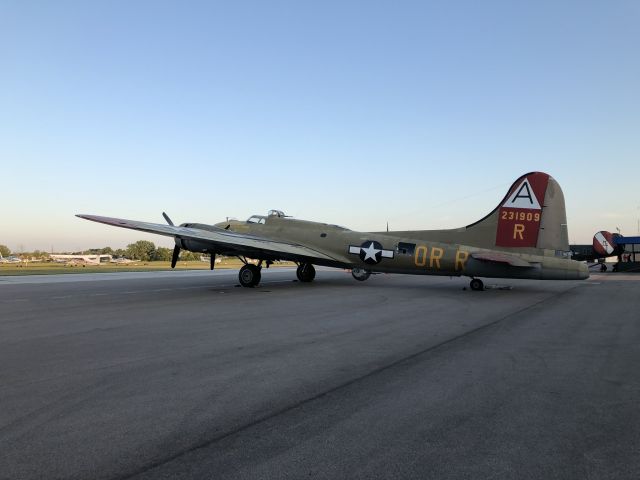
{"type": "Point", "coordinates": [498, 257]}
{"type": "Point", "coordinates": [219, 239]}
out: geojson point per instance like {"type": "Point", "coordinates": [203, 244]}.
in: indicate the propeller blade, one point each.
{"type": "Point", "coordinates": [174, 258]}
{"type": "Point", "coordinates": [166, 217]}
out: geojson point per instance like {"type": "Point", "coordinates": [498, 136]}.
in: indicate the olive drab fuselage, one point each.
{"type": "Point", "coordinates": [388, 253]}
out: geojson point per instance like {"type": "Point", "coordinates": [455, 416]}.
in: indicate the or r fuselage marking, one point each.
{"type": "Point", "coordinates": [461, 259]}
{"type": "Point", "coordinates": [436, 255]}
{"type": "Point", "coordinates": [433, 256]}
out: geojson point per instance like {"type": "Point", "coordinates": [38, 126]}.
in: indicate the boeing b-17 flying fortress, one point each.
{"type": "Point", "coordinates": [525, 236]}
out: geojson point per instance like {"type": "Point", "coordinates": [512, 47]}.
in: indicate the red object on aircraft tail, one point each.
{"type": "Point", "coordinates": [521, 212]}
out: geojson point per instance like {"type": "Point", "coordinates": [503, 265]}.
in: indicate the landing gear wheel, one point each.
{"type": "Point", "coordinates": [360, 274]}
{"type": "Point", "coordinates": [249, 275]}
{"type": "Point", "coordinates": [476, 284]}
{"type": "Point", "coordinates": [305, 272]}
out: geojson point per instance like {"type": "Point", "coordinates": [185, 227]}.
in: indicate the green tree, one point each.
{"type": "Point", "coordinates": [187, 256]}
{"type": "Point", "coordinates": [120, 252]}
{"type": "Point", "coordinates": [106, 251]}
{"type": "Point", "coordinates": [5, 251]}
{"type": "Point", "coordinates": [163, 254]}
{"type": "Point", "coordinates": [141, 250]}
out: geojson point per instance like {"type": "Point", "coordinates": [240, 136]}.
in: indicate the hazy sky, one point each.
{"type": "Point", "coordinates": [357, 113]}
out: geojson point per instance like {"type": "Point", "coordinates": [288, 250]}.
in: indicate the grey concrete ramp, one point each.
{"type": "Point", "coordinates": [396, 377]}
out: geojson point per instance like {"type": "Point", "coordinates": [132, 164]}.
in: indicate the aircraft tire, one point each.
{"type": "Point", "coordinates": [306, 272]}
{"type": "Point", "coordinates": [476, 284]}
{"type": "Point", "coordinates": [360, 274]}
{"type": "Point", "coordinates": [249, 275]}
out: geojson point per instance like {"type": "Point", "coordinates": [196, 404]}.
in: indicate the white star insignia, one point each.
{"type": "Point", "coordinates": [370, 252]}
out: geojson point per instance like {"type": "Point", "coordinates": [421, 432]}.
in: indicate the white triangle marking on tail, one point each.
{"type": "Point", "coordinates": [523, 197]}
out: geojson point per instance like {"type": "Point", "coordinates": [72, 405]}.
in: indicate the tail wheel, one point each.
{"type": "Point", "coordinates": [476, 284]}
{"type": "Point", "coordinates": [249, 275]}
{"type": "Point", "coordinates": [306, 272]}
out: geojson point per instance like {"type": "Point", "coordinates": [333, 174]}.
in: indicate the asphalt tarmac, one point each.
{"type": "Point", "coordinates": [185, 375]}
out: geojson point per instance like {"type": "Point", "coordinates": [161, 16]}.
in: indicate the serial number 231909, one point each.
{"type": "Point", "coordinates": [522, 216]}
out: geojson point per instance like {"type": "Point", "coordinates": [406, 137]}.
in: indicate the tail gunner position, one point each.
{"type": "Point", "coordinates": [525, 236]}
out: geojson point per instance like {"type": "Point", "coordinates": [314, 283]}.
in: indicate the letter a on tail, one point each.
{"type": "Point", "coordinates": [521, 211]}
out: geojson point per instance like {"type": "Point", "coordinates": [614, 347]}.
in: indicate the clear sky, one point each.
{"type": "Point", "coordinates": [357, 113]}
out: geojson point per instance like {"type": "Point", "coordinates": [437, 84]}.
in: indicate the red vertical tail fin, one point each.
{"type": "Point", "coordinates": [531, 215]}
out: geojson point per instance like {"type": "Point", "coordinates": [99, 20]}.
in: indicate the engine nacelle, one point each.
{"type": "Point", "coordinates": [193, 245]}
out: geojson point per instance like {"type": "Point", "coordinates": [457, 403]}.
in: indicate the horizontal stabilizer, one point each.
{"type": "Point", "coordinates": [497, 257]}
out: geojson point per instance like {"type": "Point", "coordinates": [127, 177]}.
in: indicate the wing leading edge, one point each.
{"type": "Point", "coordinates": [218, 238]}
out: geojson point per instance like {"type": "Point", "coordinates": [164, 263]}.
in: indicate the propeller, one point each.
{"type": "Point", "coordinates": [176, 249]}
{"type": "Point", "coordinates": [174, 257]}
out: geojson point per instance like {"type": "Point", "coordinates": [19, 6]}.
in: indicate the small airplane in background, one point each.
{"type": "Point", "coordinates": [605, 244]}
{"type": "Point", "coordinates": [525, 236]}
{"type": "Point", "coordinates": [9, 259]}
{"type": "Point", "coordinates": [79, 259]}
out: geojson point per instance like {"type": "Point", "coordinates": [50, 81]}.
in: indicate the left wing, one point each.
{"type": "Point", "coordinates": [219, 238]}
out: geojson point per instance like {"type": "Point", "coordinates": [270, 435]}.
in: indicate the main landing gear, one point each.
{"type": "Point", "coordinates": [306, 272]}
{"type": "Point", "coordinates": [476, 284]}
{"type": "Point", "coordinates": [250, 275]}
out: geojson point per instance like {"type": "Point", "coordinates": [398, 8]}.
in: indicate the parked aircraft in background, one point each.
{"type": "Point", "coordinates": [525, 236]}
{"type": "Point", "coordinates": [605, 244]}
{"type": "Point", "coordinates": [9, 259]}
{"type": "Point", "coordinates": [90, 259]}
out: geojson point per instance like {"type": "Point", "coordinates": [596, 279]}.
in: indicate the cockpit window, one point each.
{"type": "Point", "coordinates": [256, 219]}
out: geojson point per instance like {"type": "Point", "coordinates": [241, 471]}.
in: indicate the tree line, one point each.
{"type": "Point", "coordinates": [142, 250]}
